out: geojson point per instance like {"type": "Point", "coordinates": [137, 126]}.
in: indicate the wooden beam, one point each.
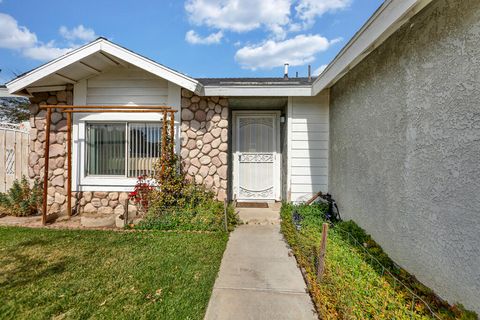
{"type": "Point", "coordinates": [69, 164]}
{"type": "Point", "coordinates": [45, 88]}
{"type": "Point", "coordinates": [107, 59]}
{"type": "Point", "coordinates": [117, 62]}
{"type": "Point", "coordinates": [64, 78]}
{"type": "Point", "coordinates": [167, 108]}
{"type": "Point", "coordinates": [114, 111]}
{"type": "Point", "coordinates": [89, 67]}
{"type": "Point", "coordinates": [45, 171]}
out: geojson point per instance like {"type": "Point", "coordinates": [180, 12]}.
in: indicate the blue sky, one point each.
{"type": "Point", "coordinates": [202, 38]}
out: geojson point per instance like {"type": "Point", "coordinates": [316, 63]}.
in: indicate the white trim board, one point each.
{"type": "Point", "coordinates": [391, 15]}
{"type": "Point", "coordinates": [258, 91]}
{"type": "Point", "coordinates": [104, 46]}
{"type": "Point", "coordinates": [382, 24]}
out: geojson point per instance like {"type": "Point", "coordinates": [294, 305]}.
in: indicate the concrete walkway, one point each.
{"type": "Point", "coordinates": [258, 278]}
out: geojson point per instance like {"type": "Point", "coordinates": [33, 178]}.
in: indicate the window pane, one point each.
{"type": "Point", "coordinates": [144, 147]}
{"type": "Point", "coordinates": [106, 149]}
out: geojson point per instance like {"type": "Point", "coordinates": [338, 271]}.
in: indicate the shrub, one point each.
{"type": "Point", "coordinates": [141, 193]}
{"type": "Point", "coordinates": [179, 204]}
{"type": "Point", "coordinates": [21, 200]}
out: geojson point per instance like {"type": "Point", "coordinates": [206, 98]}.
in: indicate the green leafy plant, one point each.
{"type": "Point", "coordinates": [354, 286]}
{"type": "Point", "coordinates": [177, 203]}
{"type": "Point", "coordinates": [21, 199]}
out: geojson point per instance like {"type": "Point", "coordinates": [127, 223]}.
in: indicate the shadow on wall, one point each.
{"type": "Point", "coordinates": [309, 149]}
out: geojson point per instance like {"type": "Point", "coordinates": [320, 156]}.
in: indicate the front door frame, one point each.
{"type": "Point", "coordinates": [277, 177]}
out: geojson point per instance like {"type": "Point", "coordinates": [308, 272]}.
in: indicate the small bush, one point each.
{"type": "Point", "coordinates": [21, 200]}
{"type": "Point", "coordinates": [179, 204]}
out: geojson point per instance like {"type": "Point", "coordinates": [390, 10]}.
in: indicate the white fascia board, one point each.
{"type": "Point", "coordinates": [53, 66]}
{"type": "Point", "coordinates": [103, 45]}
{"type": "Point", "coordinates": [5, 94]}
{"type": "Point", "coordinates": [258, 91]}
{"type": "Point", "coordinates": [382, 24]}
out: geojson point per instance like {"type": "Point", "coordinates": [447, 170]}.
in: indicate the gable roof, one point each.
{"type": "Point", "coordinates": [91, 59]}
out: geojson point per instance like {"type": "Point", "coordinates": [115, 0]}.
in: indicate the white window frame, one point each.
{"type": "Point", "coordinates": [83, 182]}
{"type": "Point", "coordinates": [128, 144]}
{"type": "Point", "coordinates": [79, 181]}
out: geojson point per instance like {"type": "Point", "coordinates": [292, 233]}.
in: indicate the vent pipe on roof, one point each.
{"type": "Point", "coordinates": [309, 73]}
{"type": "Point", "coordinates": [285, 72]}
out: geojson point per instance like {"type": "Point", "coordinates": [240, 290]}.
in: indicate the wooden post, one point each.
{"type": "Point", "coordinates": [69, 164]}
{"type": "Point", "coordinates": [322, 252]}
{"type": "Point", "coordinates": [45, 171]}
{"type": "Point", "coordinates": [172, 132]}
{"type": "Point", "coordinates": [164, 141]}
{"type": "Point", "coordinates": [125, 216]}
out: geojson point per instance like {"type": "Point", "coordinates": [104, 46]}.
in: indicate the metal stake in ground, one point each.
{"type": "Point", "coordinates": [322, 252]}
{"type": "Point", "coordinates": [225, 208]}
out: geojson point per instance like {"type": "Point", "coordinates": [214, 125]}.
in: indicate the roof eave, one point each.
{"type": "Point", "coordinates": [381, 25]}
{"type": "Point", "coordinates": [103, 45]}
{"type": "Point", "coordinates": [258, 91]}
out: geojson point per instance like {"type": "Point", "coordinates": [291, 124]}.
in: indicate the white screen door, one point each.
{"type": "Point", "coordinates": [256, 157]}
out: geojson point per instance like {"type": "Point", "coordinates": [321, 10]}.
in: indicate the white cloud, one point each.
{"type": "Point", "coordinates": [194, 38]}
{"type": "Point", "coordinates": [240, 16]}
{"type": "Point", "coordinates": [45, 52]}
{"type": "Point", "coordinates": [78, 33]}
{"type": "Point", "coordinates": [13, 36]}
{"type": "Point", "coordinates": [297, 51]}
{"type": "Point", "coordinates": [320, 69]}
{"type": "Point", "coordinates": [308, 10]}
{"type": "Point", "coordinates": [278, 17]}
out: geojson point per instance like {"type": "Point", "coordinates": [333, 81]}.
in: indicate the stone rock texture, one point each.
{"type": "Point", "coordinates": [57, 191]}
{"type": "Point", "coordinates": [204, 141]}
{"type": "Point", "coordinates": [101, 203]}
{"type": "Point", "coordinates": [104, 203]}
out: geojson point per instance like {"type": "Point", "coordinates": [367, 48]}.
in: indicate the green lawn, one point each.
{"type": "Point", "coordinates": [65, 274]}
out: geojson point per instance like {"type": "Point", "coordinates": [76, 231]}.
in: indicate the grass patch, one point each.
{"type": "Point", "coordinates": [354, 286]}
{"type": "Point", "coordinates": [65, 274]}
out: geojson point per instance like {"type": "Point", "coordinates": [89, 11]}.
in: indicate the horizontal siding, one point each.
{"type": "Point", "coordinates": [127, 86]}
{"type": "Point", "coordinates": [309, 146]}
{"type": "Point", "coordinates": [309, 179]}
{"type": "Point", "coordinates": [305, 171]}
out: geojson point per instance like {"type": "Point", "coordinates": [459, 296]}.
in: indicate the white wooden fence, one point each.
{"type": "Point", "coordinates": [14, 149]}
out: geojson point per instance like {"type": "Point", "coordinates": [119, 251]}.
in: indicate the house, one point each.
{"type": "Point", "coordinates": [390, 128]}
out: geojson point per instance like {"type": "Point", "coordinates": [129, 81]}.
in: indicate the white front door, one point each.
{"type": "Point", "coordinates": [256, 170]}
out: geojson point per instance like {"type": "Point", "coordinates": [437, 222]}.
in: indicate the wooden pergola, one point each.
{"type": "Point", "coordinates": [168, 116]}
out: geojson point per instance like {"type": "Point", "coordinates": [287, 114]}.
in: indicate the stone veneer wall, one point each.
{"type": "Point", "coordinates": [102, 203]}
{"type": "Point", "coordinates": [204, 141]}
{"type": "Point", "coordinates": [57, 162]}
